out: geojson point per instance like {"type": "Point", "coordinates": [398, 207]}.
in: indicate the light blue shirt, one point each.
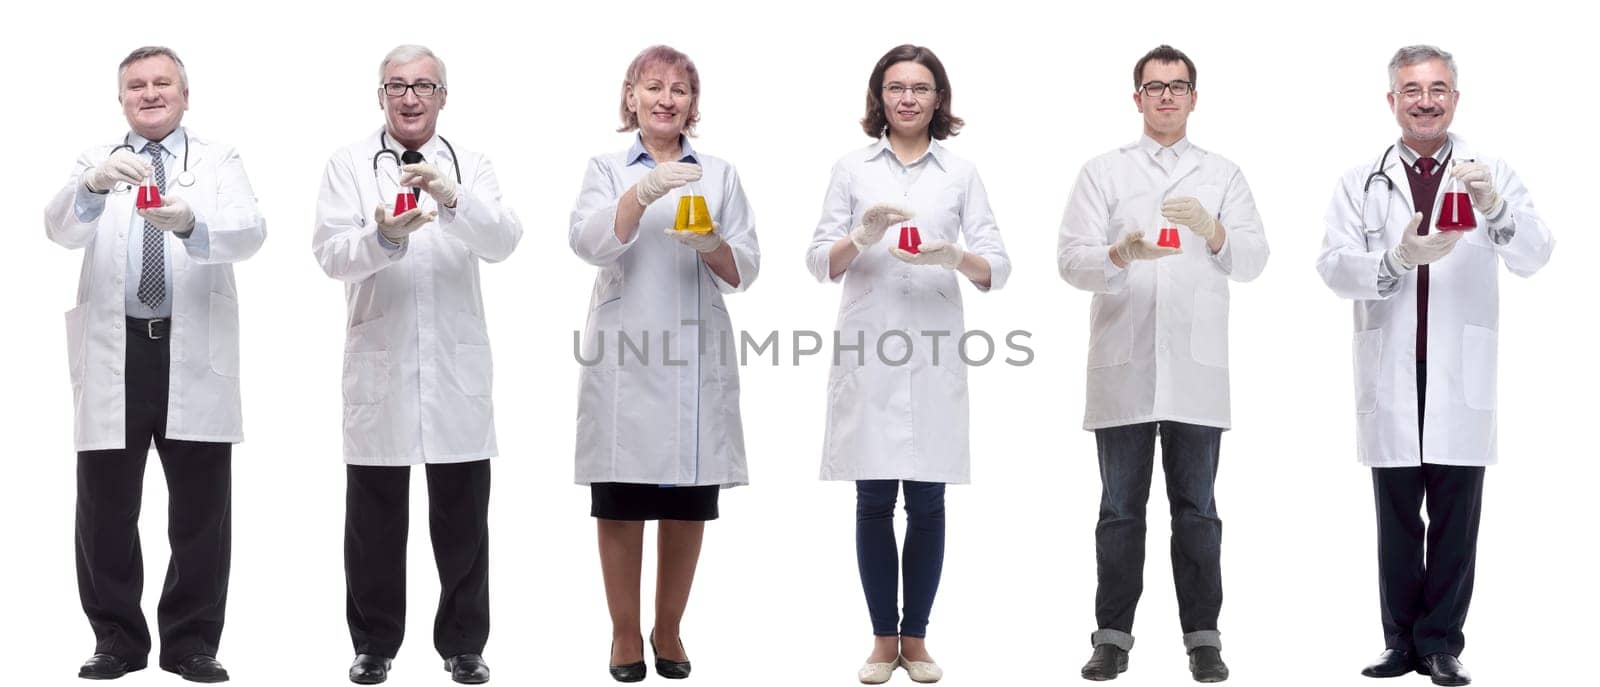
{"type": "Point", "coordinates": [637, 155]}
{"type": "Point", "coordinates": [89, 205]}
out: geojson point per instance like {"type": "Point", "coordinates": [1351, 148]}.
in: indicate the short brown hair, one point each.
{"type": "Point", "coordinates": [672, 58]}
{"type": "Point", "coordinates": [1164, 53]}
{"type": "Point", "coordinates": [876, 120]}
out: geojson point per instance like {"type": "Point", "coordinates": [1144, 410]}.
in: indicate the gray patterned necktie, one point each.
{"type": "Point", "coordinates": [152, 277]}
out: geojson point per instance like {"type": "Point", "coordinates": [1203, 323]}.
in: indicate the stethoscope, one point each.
{"type": "Point", "coordinates": [1373, 224]}
{"type": "Point", "coordinates": [185, 178]}
{"type": "Point", "coordinates": [384, 149]}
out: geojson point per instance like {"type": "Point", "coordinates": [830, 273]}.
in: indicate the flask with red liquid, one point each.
{"type": "Point", "coordinates": [148, 195]}
{"type": "Point", "coordinates": [404, 202]}
{"type": "Point", "coordinates": [1168, 238]}
{"type": "Point", "coordinates": [910, 240]}
{"type": "Point", "coordinates": [1455, 208]}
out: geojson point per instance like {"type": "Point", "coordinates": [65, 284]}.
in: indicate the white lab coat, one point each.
{"type": "Point", "coordinates": [1158, 329]}
{"type": "Point", "coordinates": [417, 369]}
{"type": "Point", "coordinates": [1463, 318]}
{"type": "Point", "coordinates": [203, 380]}
{"type": "Point", "coordinates": [673, 419]}
{"type": "Point", "coordinates": [906, 421]}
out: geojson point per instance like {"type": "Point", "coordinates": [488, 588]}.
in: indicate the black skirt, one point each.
{"type": "Point", "coordinates": [625, 501]}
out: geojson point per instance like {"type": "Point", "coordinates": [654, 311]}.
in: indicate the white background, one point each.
{"type": "Point", "coordinates": [1294, 96]}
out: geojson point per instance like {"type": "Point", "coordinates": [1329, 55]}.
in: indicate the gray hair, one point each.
{"type": "Point", "coordinates": [411, 53]}
{"type": "Point", "coordinates": [147, 52]}
{"type": "Point", "coordinates": [1416, 54]}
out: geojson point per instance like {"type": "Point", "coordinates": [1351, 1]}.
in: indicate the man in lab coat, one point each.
{"type": "Point", "coordinates": [153, 348]}
{"type": "Point", "coordinates": [417, 371]}
{"type": "Point", "coordinates": [1158, 352]}
{"type": "Point", "coordinates": [1426, 321]}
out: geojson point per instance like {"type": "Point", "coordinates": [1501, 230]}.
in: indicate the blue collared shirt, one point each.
{"type": "Point", "coordinates": [637, 155]}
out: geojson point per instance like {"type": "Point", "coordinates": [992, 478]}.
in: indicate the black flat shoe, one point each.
{"type": "Point", "coordinates": [1392, 663]}
{"type": "Point", "coordinates": [1205, 664]}
{"type": "Point", "coordinates": [1106, 663]}
{"type": "Point", "coordinates": [369, 670]}
{"type": "Point", "coordinates": [199, 668]}
{"type": "Point", "coordinates": [629, 672]}
{"type": "Point", "coordinates": [467, 669]}
{"type": "Point", "coordinates": [1446, 670]}
{"type": "Point", "coordinates": [669, 669]}
{"type": "Point", "coordinates": [106, 667]}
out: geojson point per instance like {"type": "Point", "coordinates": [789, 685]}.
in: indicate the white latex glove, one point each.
{"type": "Point", "coordinates": [1134, 247]}
{"type": "Point", "coordinates": [1475, 175]}
{"type": "Point", "coordinates": [428, 178]}
{"type": "Point", "coordinates": [122, 166]}
{"type": "Point", "coordinates": [936, 252]}
{"type": "Point", "coordinates": [1187, 211]}
{"type": "Point", "coordinates": [875, 222]}
{"type": "Point", "coordinates": [1418, 249]}
{"type": "Point", "coordinates": [173, 215]}
{"type": "Point", "coordinates": [701, 243]}
{"type": "Point", "coordinates": [661, 180]}
{"type": "Point", "coordinates": [397, 227]}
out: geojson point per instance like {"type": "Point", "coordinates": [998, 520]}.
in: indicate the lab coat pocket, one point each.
{"type": "Point", "coordinates": [224, 335]}
{"type": "Point", "coordinates": [366, 378]}
{"type": "Point", "coordinates": [77, 344]}
{"type": "Point", "coordinates": [1479, 349]}
{"type": "Point", "coordinates": [474, 369]}
{"type": "Point", "coordinates": [1208, 335]}
{"type": "Point", "coordinates": [846, 433]}
{"type": "Point", "coordinates": [1109, 343]}
{"type": "Point", "coordinates": [1368, 360]}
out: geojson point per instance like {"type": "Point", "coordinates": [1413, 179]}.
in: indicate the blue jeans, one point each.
{"type": "Point", "coordinates": [1189, 458]}
{"type": "Point", "coordinates": [880, 560]}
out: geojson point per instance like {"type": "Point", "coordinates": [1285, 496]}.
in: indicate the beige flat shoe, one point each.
{"type": "Point", "coordinates": [925, 672]}
{"type": "Point", "coordinates": [877, 673]}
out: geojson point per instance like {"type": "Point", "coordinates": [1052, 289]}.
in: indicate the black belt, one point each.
{"type": "Point", "coordinates": [154, 330]}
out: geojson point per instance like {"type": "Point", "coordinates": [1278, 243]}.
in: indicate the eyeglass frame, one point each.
{"type": "Point", "coordinates": [1166, 86]}
{"type": "Point", "coordinates": [1437, 95]}
{"type": "Point", "coordinates": [932, 90]}
{"type": "Point", "coordinates": [412, 87]}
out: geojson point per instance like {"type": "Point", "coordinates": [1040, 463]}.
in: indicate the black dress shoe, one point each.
{"type": "Point", "coordinates": [467, 669]}
{"type": "Point", "coordinates": [629, 672]}
{"type": "Point", "coordinates": [672, 670]}
{"type": "Point", "coordinates": [199, 668]}
{"type": "Point", "coordinates": [1392, 663]}
{"type": "Point", "coordinates": [1205, 664]}
{"type": "Point", "coordinates": [369, 670]}
{"type": "Point", "coordinates": [1107, 663]}
{"type": "Point", "coordinates": [1446, 670]}
{"type": "Point", "coordinates": [106, 667]}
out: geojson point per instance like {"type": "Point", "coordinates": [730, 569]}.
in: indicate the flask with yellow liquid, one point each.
{"type": "Point", "coordinates": [693, 214]}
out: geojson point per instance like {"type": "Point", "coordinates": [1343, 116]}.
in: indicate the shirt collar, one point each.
{"type": "Point", "coordinates": [1153, 149]}
{"type": "Point", "coordinates": [1409, 157]}
{"type": "Point", "coordinates": [174, 143]}
{"type": "Point", "coordinates": [431, 149]}
{"type": "Point", "coordinates": [936, 152]}
{"type": "Point", "coordinates": [638, 155]}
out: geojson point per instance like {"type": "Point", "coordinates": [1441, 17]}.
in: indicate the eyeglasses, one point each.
{"type": "Point", "coordinates": [1412, 95]}
{"type": "Point", "coordinates": [423, 89]}
{"type": "Point", "coordinates": [922, 91]}
{"type": "Point", "coordinates": [1154, 89]}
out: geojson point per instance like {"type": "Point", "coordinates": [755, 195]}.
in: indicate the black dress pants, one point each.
{"type": "Point", "coordinates": [1425, 572]}
{"type": "Point", "coordinates": [199, 526]}
{"type": "Point", "coordinates": [376, 515]}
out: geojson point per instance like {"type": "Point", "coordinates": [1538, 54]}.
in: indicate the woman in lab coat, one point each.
{"type": "Point", "coordinates": [658, 408]}
{"type": "Point", "coordinates": [897, 411]}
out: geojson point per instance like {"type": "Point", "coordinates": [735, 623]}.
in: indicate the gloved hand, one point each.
{"type": "Point", "coordinates": [1132, 247]}
{"type": "Point", "coordinates": [936, 252]}
{"type": "Point", "coordinates": [397, 227]}
{"type": "Point", "coordinates": [122, 166]}
{"type": "Point", "coordinates": [428, 178]}
{"type": "Point", "coordinates": [1187, 211]}
{"type": "Point", "coordinates": [701, 243]}
{"type": "Point", "coordinates": [1418, 249]}
{"type": "Point", "coordinates": [1475, 175]}
{"type": "Point", "coordinates": [875, 222]}
{"type": "Point", "coordinates": [173, 215]}
{"type": "Point", "coordinates": [661, 180]}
